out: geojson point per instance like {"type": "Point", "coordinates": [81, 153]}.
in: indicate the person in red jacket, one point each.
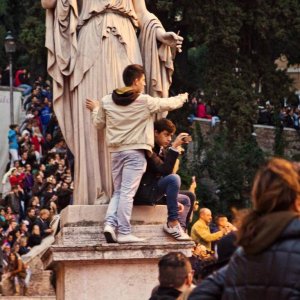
{"type": "Point", "coordinates": [201, 111]}
{"type": "Point", "coordinates": [17, 177]}
{"type": "Point", "coordinates": [22, 81]}
{"type": "Point", "coordinates": [37, 140]}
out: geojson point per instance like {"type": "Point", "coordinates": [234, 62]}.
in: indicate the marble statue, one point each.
{"type": "Point", "coordinates": [89, 43]}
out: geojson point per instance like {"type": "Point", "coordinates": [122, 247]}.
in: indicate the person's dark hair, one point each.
{"type": "Point", "coordinates": [29, 209]}
{"type": "Point", "coordinates": [131, 73]}
{"type": "Point", "coordinates": [164, 124]}
{"type": "Point", "coordinates": [217, 217]}
{"type": "Point", "coordinates": [174, 268]}
{"type": "Point", "coordinates": [275, 188]}
{"type": "Point", "coordinates": [7, 208]}
{"type": "Point", "coordinates": [13, 126]}
{"type": "Point", "coordinates": [14, 187]}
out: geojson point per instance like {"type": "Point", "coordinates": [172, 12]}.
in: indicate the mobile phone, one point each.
{"type": "Point", "coordinates": [187, 139]}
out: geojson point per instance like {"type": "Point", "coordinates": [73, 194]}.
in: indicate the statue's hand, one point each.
{"type": "Point", "coordinates": [171, 39]}
{"type": "Point", "coordinates": [91, 104]}
{"type": "Point", "coordinates": [48, 3]}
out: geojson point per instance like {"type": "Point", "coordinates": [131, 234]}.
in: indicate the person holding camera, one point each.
{"type": "Point", "coordinates": [201, 233]}
{"type": "Point", "coordinates": [160, 177]}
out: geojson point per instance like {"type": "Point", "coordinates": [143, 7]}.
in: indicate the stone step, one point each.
{"type": "Point", "coordinates": [86, 266]}
{"type": "Point", "coordinates": [40, 285]}
{"type": "Point", "coordinates": [87, 244]}
{"type": "Point", "coordinates": [93, 235]}
{"type": "Point", "coordinates": [88, 215]}
{"type": "Point", "coordinates": [28, 297]}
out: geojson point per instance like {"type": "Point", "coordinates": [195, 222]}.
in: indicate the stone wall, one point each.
{"type": "Point", "coordinates": [265, 137]}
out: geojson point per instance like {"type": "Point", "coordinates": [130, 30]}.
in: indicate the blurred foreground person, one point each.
{"type": "Point", "coordinates": [175, 277]}
{"type": "Point", "coordinates": [267, 263]}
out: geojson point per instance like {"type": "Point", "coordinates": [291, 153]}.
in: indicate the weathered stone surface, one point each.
{"type": "Point", "coordinates": [28, 297]}
{"type": "Point", "coordinates": [32, 258]}
{"type": "Point", "coordinates": [265, 137]}
{"type": "Point", "coordinates": [128, 280]}
{"type": "Point", "coordinates": [40, 283]}
{"type": "Point", "coordinates": [82, 258]}
{"type": "Point", "coordinates": [206, 128]}
{"type": "Point", "coordinates": [7, 287]}
{"type": "Point", "coordinates": [89, 215]}
{"type": "Point", "coordinates": [88, 244]}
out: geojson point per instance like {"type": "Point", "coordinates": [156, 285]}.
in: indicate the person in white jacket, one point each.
{"type": "Point", "coordinates": [6, 186]}
{"type": "Point", "coordinates": [127, 116]}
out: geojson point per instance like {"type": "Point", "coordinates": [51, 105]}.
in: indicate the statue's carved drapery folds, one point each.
{"type": "Point", "coordinates": [89, 44]}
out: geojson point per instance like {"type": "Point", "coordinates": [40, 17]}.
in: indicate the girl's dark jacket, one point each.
{"type": "Point", "coordinates": [271, 274]}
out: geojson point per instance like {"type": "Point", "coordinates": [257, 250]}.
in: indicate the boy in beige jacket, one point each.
{"type": "Point", "coordinates": [127, 116]}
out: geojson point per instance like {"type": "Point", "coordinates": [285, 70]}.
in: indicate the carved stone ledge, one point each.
{"type": "Point", "coordinates": [81, 256]}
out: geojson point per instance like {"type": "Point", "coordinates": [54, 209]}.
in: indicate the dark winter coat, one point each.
{"type": "Point", "coordinates": [272, 274]}
{"type": "Point", "coordinates": [161, 163]}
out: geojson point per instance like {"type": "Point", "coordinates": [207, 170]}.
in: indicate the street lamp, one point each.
{"type": "Point", "coordinates": [10, 49]}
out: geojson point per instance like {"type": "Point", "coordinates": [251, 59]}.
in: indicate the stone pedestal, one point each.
{"type": "Point", "coordinates": [89, 268]}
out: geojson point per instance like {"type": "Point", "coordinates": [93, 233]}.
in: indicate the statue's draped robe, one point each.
{"type": "Point", "coordinates": [89, 43]}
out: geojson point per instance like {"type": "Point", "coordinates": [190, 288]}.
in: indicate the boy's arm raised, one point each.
{"type": "Point", "coordinates": [156, 105]}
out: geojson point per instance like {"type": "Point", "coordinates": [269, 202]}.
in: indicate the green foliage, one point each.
{"type": "Point", "coordinates": [279, 142]}
{"type": "Point", "coordinates": [197, 62]}
{"type": "Point", "coordinates": [26, 20]}
{"type": "Point", "coordinates": [6, 21]}
{"type": "Point", "coordinates": [228, 170]}
{"type": "Point", "coordinates": [31, 37]}
{"type": "Point", "coordinates": [229, 52]}
{"type": "Point", "coordinates": [242, 39]}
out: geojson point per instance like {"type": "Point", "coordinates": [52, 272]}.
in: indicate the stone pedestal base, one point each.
{"type": "Point", "coordinates": [110, 280]}
{"type": "Point", "coordinates": [89, 268]}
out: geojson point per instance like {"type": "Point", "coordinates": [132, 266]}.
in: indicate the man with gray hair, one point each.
{"type": "Point", "coordinates": [200, 232]}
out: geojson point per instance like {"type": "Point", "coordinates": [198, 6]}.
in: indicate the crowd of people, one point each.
{"type": "Point", "coordinates": [288, 115]}
{"type": "Point", "coordinates": [38, 182]}
{"type": "Point", "coordinates": [201, 108]}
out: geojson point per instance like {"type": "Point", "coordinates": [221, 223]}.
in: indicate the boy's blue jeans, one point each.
{"type": "Point", "coordinates": [128, 168]}
{"type": "Point", "coordinates": [169, 186]}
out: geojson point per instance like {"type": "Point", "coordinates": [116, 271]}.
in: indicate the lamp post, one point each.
{"type": "Point", "coordinates": [10, 49]}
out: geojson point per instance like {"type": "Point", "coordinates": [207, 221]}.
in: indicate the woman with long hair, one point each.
{"type": "Point", "coordinates": [18, 272]}
{"type": "Point", "coordinates": [267, 263]}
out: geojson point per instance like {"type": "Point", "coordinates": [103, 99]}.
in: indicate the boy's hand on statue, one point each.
{"type": "Point", "coordinates": [91, 104]}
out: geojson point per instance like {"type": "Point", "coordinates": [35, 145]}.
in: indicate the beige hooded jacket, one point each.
{"type": "Point", "coordinates": [131, 127]}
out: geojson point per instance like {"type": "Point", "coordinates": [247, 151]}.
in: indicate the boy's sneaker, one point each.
{"type": "Point", "coordinates": [176, 232]}
{"type": "Point", "coordinates": [109, 234]}
{"type": "Point", "coordinates": [129, 238]}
